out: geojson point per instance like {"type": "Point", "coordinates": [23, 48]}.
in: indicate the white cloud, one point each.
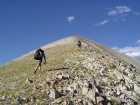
{"type": "Point", "coordinates": [122, 9]}
{"type": "Point", "coordinates": [119, 10]}
{"type": "Point", "coordinates": [102, 23]}
{"type": "Point", "coordinates": [133, 54]}
{"type": "Point", "coordinates": [130, 51]}
{"type": "Point", "coordinates": [112, 13]}
{"type": "Point", "coordinates": [70, 18]}
{"type": "Point", "coordinates": [136, 13]}
{"type": "Point", "coordinates": [138, 42]}
{"type": "Point", "coordinates": [123, 19]}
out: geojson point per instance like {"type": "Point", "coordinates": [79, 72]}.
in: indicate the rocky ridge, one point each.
{"type": "Point", "coordinates": [94, 75]}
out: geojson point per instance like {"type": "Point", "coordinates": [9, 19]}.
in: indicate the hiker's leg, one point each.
{"type": "Point", "coordinates": [78, 47]}
{"type": "Point", "coordinates": [36, 68]}
{"type": "Point", "coordinates": [39, 64]}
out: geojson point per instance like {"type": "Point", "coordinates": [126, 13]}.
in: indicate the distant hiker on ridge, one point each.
{"type": "Point", "coordinates": [39, 55]}
{"type": "Point", "coordinates": [79, 44]}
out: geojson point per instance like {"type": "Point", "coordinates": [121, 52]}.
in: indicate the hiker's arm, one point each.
{"type": "Point", "coordinates": [44, 59]}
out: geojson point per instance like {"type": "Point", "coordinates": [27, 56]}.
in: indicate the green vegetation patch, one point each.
{"type": "Point", "coordinates": [132, 66]}
{"type": "Point", "coordinates": [112, 66]}
{"type": "Point", "coordinates": [114, 102]}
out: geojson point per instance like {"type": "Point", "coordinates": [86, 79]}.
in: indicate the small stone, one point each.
{"type": "Point", "coordinates": [54, 94]}
{"type": "Point", "coordinates": [84, 90]}
{"type": "Point", "coordinates": [91, 95]}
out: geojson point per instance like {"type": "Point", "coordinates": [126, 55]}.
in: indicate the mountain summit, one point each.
{"type": "Point", "coordinates": [93, 75]}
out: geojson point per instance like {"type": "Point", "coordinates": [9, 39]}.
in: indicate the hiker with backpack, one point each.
{"type": "Point", "coordinates": [39, 55]}
{"type": "Point", "coordinates": [79, 44]}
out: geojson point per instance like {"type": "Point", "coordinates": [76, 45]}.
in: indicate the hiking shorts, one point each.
{"type": "Point", "coordinates": [40, 58]}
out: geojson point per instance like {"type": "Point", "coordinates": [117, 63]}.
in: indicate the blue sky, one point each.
{"type": "Point", "coordinates": [29, 24]}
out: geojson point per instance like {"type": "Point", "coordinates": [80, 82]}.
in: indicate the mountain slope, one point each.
{"type": "Point", "coordinates": [111, 52]}
{"type": "Point", "coordinates": [95, 74]}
